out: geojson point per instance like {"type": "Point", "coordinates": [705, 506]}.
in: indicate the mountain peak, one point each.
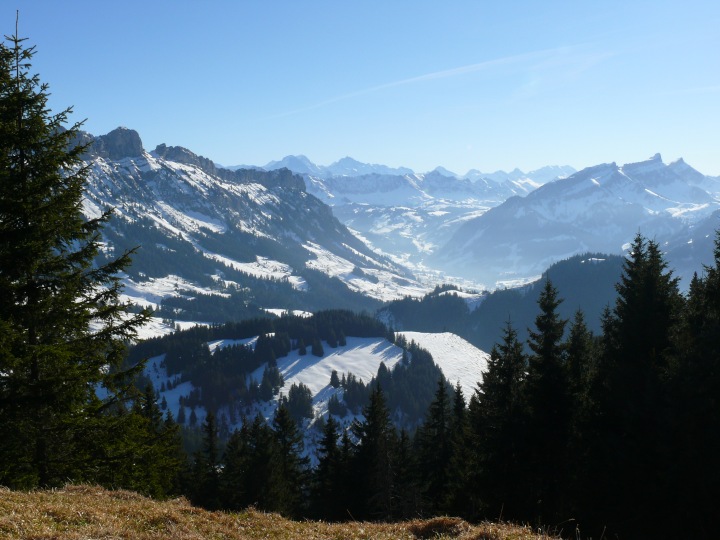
{"type": "Point", "coordinates": [348, 166]}
{"type": "Point", "coordinates": [298, 164]}
{"type": "Point", "coordinates": [444, 172]}
{"type": "Point", "coordinates": [687, 172]}
{"type": "Point", "coordinates": [347, 160]}
{"type": "Point", "coordinates": [178, 154]}
{"type": "Point", "coordinates": [120, 143]}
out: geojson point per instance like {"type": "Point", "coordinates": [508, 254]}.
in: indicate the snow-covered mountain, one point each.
{"type": "Point", "coordinates": [346, 166]}
{"type": "Point", "coordinates": [600, 208]}
{"type": "Point", "coordinates": [247, 238]}
{"type": "Point", "coordinates": [411, 215]}
{"type": "Point", "coordinates": [408, 215]}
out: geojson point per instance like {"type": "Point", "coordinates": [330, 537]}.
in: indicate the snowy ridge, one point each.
{"type": "Point", "coordinates": [598, 209]}
{"type": "Point", "coordinates": [409, 215]}
{"type": "Point", "coordinates": [183, 210]}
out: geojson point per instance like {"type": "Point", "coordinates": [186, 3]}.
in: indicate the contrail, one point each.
{"type": "Point", "coordinates": [443, 74]}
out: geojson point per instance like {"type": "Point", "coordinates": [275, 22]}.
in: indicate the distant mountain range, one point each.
{"type": "Point", "coordinates": [503, 228]}
{"type": "Point", "coordinates": [220, 244]}
{"type": "Point", "coordinates": [600, 209]}
{"type": "Point", "coordinates": [350, 167]}
{"type": "Point", "coordinates": [405, 214]}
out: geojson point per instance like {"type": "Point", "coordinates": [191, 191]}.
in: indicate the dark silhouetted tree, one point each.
{"type": "Point", "coordinates": [547, 409]}
{"type": "Point", "coordinates": [63, 325]}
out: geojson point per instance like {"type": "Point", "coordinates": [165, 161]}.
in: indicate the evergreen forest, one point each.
{"type": "Point", "coordinates": [588, 433]}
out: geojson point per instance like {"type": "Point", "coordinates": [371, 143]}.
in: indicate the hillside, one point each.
{"type": "Point", "coordinates": [480, 318]}
{"type": "Point", "coordinates": [223, 368]}
{"type": "Point", "coordinates": [218, 245]}
{"type": "Point", "coordinates": [411, 215]}
{"type": "Point", "coordinates": [79, 512]}
{"type": "Point", "coordinates": [599, 208]}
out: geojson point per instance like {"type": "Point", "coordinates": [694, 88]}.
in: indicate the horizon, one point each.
{"type": "Point", "coordinates": [463, 86]}
{"type": "Point", "coordinates": [458, 174]}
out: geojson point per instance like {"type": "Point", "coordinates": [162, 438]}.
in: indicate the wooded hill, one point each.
{"type": "Point", "coordinates": [586, 282]}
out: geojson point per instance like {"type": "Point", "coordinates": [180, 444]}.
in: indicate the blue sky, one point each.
{"type": "Point", "coordinates": [463, 84]}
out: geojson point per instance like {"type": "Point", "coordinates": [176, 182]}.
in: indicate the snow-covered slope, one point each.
{"type": "Point", "coordinates": [410, 216]}
{"type": "Point", "coordinates": [597, 209]}
{"type": "Point", "coordinates": [405, 214]}
{"type": "Point", "coordinates": [202, 230]}
{"type": "Point", "coordinates": [459, 360]}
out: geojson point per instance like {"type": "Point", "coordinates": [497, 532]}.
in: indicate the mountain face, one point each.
{"type": "Point", "coordinates": [411, 215]}
{"type": "Point", "coordinates": [221, 244]}
{"type": "Point", "coordinates": [231, 241]}
{"type": "Point", "coordinates": [600, 208]}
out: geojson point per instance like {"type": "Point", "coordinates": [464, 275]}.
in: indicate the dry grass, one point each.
{"type": "Point", "coordinates": [85, 512]}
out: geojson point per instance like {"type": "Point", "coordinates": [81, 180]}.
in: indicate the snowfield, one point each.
{"type": "Point", "coordinates": [361, 357]}
{"type": "Point", "coordinates": [459, 360]}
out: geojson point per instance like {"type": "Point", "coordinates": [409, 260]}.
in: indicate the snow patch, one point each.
{"type": "Point", "coordinates": [458, 359]}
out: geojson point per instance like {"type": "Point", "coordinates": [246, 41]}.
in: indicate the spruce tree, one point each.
{"type": "Point", "coordinates": [288, 481]}
{"type": "Point", "coordinates": [328, 486]}
{"type": "Point", "coordinates": [373, 462]}
{"type": "Point", "coordinates": [154, 451]}
{"type": "Point", "coordinates": [580, 367]}
{"type": "Point", "coordinates": [206, 468]}
{"type": "Point", "coordinates": [456, 500]}
{"type": "Point", "coordinates": [407, 498]}
{"type": "Point", "coordinates": [694, 388]}
{"type": "Point", "coordinates": [629, 393]}
{"type": "Point", "coordinates": [233, 480]}
{"type": "Point", "coordinates": [435, 450]}
{"type": "Point", "coordinates": [260, 442]}
{"type": "Point", "coordinates": [62, 323]}
{"type": "Point", "coordinates": [547, 410]}
{"type": "Point", "coordinates": [496, 433]}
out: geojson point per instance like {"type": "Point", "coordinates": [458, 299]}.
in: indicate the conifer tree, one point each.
{"type": "Point", "coordinates": [288, 482]}
{"type": "Point", "coordinates": [373, 462]}
{"type": "Point", "coordinates": [456, 500]}
{"type": "Point", "coordinates": [547, 409]}
{"type": "Point", "coordinates": [579, 351]}
{"type": "Point", "coordinates": [334, 379]}
{"type": "Point", "coordinates": [233, 480]}
{"type": "Point", "coordinates": [260, 444]}
{"type": "Point", "coordinates": [407, 498]}
{"type": "Point", "coordinates": [496, 433]}
{"type": "Point", "coordinates": [434, 450]}
{"type": "Point", "coordinates": [694, 387]}
{"type": "Point", "coordinates": [580, 367]}
{"type": "Point", "coordinates": [629, 393]}
{"type": "Point", "coordinates": [206, 469]}
{"type": "Point", "coordinates": [61, 318]}
{"type": "Point", "coordinates": [328, 485]}
{"type": "Point", "coordinates": [155, 448]}
{"type": "Point", "coordinates": [317, 348]}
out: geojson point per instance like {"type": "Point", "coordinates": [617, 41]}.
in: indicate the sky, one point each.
{"type": "Point", "coordinates": [476, 84]}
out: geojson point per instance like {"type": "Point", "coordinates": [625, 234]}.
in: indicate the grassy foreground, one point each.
{"type": "Point", "coordinates": [86, 512]}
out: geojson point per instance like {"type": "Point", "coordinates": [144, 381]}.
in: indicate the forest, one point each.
{"type": "Point", "coordinates": [614, 433]}
{"type": "Point", "coordinates": [604, 434]}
